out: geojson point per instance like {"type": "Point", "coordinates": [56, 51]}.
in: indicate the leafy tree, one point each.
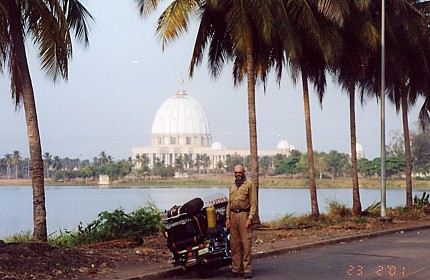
{"type": "Point", "coordinates": [265, 164]}
{"type": "Point", "coordinates": [49, 25]}
{"type": "Point", "coordinates": [320, 164]}
{"type": "Point", "coordinates": [336, 163]}
{"type": "Point", "coordinates": [232, 161]}
{"type": "Point", "coordinates": [144, 171]}
{"type": "Point", "coordinates": [395, 165]}
{"type": "Point", "coordinates": [164, 171]}
{"type": "Point", "coordinates": [288, 166]}
{"type": "Point", "coordinates": [369, 168]}
{"type": "Point", "coordinates": [420, 149]}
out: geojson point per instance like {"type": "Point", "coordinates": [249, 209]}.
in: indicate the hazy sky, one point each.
{"type": "Point", "coordinates": [117, 84]}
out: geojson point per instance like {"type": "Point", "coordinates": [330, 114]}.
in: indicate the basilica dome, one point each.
{"type": "Point", "coordinates": [181, 120]}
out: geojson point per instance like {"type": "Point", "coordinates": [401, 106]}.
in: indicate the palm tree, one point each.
{"type": "Point", "coordinates": [56, 163]}
{"type": "Point", "coordinates": [8, 162]}
{"type": "Point", "coordinates": [104, 158]}
{"type": "Point", "coordinates": [16, 159]}
{"type": "Point", "coordinates": [307, 42]}
{"type": "Point", "coordinates": [359, 37]}
{"type": "Point", "coordinates": [49, 24]}
{"type": "Point", "coordinates": [47, 161]}
{"type": "Point", "coordinates": [408, 68]}
{"type": "Point", "coordinates": [234, 30]}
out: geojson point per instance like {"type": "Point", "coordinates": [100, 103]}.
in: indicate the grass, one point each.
{"type": "Point", "coordinates": [23, 237]}
{"type": "Point", "coordinates": [339, 215]}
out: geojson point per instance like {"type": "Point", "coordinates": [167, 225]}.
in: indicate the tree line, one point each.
{"type": "Point", "coordinates": [333, 164]}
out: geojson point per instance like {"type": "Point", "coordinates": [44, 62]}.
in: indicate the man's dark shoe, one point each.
{"type": "Point", "coordinates": [247, 275]}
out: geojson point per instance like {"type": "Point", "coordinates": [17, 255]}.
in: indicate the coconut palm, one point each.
{"type": "Point", "coordinates": [57, 163]}
{"type": "Point", "coordinates": [359, 37]}
{"type": "Point", "coordinates": [49, 25]}
{"type": "Point", "coordinates": [16, 160]}
{"type": "Point", "coordinates": [47, 162]}
{"type": "Point", "coordinates": [232, 30]}
{"type": "Point", "coordinates": [407, 65]}
{"type": "Point", "coordinates": [308, 41]}
{"type": "Point", "coordinates": [8, 162]}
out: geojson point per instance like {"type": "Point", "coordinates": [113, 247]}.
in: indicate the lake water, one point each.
{"type": "Point", "coordinates": [68, 206]}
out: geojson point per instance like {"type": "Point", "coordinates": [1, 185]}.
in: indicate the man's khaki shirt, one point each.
{"type": "Point", "coordinates": [243, 197]}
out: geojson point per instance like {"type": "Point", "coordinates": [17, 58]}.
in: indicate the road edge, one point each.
{"type": "Point", "coordinates": [170, 272]}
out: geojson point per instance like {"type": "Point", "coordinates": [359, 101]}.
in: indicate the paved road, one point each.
{"type": "Point", "coordinates": [399, 256]}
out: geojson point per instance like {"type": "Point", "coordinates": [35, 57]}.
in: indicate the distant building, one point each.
{"type": "Point", "coordinates": [181, 129]}
{"type": "Point", "coordinates": [103, 180]}
{"type": "Point", "coordinates": [359, 150]}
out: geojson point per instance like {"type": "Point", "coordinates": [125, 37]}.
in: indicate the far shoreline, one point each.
{"type": "Point", "coordinates": [222, 181]}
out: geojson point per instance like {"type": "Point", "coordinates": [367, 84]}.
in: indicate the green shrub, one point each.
{"type": "Point", "coordinates": [338, 209]}
{"type": "Point", "coordinates": [114, 225]}
{"type": "Point", "coordinates": [421, 202]}
{"type": "Point", "coordinates": [23, 237]}
{"type": "Point", "coordinates": [373, 209]}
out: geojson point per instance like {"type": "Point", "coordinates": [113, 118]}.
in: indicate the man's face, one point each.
{"type": "Point", "coordinates": [238, 173]}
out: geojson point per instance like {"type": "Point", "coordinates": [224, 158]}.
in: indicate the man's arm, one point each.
{"type": "Point", "coordinates": [252, 201]}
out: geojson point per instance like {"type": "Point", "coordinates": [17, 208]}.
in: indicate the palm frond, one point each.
{"type": "Point", "coordinates": [79, 19]}
{"type": "Point", "coordinates": [174, 20]}
{"type": "Point", "coordinates": [146, 7]}
{"type": "Point", "coordinates": [424, 115]}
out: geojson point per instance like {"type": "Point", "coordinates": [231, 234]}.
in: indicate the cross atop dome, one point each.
{"type": "Point", "coordinates": [181, 91]}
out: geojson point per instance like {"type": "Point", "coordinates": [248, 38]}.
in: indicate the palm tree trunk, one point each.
{"type": "Point", "coordinates": [36, 161]}
{"type": "Point", "coordinates": [252, 120]}
{"type": "Point", "coordinates": [407, 147]}
{"type": "Point", "coordinates": [356, 204]}
{"type": "Point", "coordinates": [310, 150]}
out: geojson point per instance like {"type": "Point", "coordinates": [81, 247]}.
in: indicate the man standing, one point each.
{"type": "Point", "coordinates": [241, 209]}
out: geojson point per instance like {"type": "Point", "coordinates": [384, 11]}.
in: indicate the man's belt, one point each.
{"type": "Point", "coordinates": [239, 210]}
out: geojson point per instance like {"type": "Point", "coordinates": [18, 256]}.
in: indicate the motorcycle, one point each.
{"type": "Point", "coordinates": [196, 235]}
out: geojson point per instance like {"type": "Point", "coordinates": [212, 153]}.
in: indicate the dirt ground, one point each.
{"type": "Point", "coordinates": [131, 258]}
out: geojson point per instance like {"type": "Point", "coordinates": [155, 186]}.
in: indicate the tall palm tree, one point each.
{"type": "Point", "coordinates": [49, 25]}
{"type": "Point", "coordinates": [234, 31]}
{"type": "Point", "coordinates": [407, 65]}
{"type": "Point", "coordinates": [308, 41]}
{"type": "Point", "coordinates": [359, 37]}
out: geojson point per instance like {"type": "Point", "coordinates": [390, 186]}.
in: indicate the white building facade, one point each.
{"type": "Point", "coordinates": [181, 129]}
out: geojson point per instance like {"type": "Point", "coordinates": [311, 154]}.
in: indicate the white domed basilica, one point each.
{"type": "Point", "coordinates": [181, 129]}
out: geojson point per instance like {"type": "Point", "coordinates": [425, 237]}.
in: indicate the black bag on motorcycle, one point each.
{"type": "Point", "coordinates": [187, 228]}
